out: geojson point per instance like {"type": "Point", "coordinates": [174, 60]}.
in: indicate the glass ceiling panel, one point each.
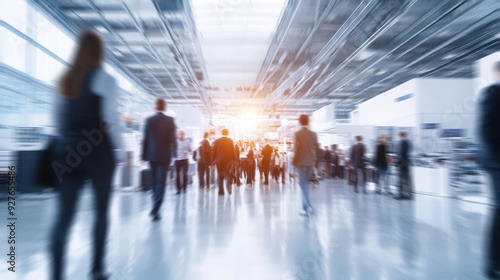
{"type": "Point", "coordinates": [235, 35]}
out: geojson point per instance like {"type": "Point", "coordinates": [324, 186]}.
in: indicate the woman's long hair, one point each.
{"type": "Point", "coordinates": [89, 55]}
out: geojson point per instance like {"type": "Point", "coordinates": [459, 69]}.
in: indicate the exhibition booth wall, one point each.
{"type": "Point", "coordinates": [431, 107]}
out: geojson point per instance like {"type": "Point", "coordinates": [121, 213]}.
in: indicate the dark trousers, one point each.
{"type": "Point", "coordinates": [493, 254]}
{"type": "Point", "coordinates": [334, 169]}
{"type": "Point", "coordinates": [283, 173]}
{"type": "Point", "coordinates": [237, 174]}
{"type": "Point", "coordinates": [340, 171]}
{"type": "Point", "coordinates": [276, 172]}
{"type": "Point", "coordinates": [158, 182]}
{"type": "Point", "coordinates": [360, 178]}
{"type": "Point", "coordinates": [250, 171]}
{"type": "Point", "coordinates": [244, 167]}
{"type": "Point", "coordinates": [223, 175]}
{"type": "Point", "coordinates": [203, 174]}
{"type": "Point", "coordinates": [100, 169]}
{"type": "Point", "coordinates": [254, 170]}
{"type": "Point", "coordinates": [181, 168]}
{"type": "Point", "coordinates": [266, 165]}
{"type": "Point", "coordinates": [404, 182]}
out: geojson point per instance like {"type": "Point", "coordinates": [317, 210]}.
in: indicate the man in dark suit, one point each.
{"type": "Point", "coordinates": [405, 191]}
{"type": "Point", "coordinates": [380, 163]}
{"type": "Point", "coordinates": [357, 163]}
{"type": "Point", "coordinates": [327, 157]}
{"type": "Point", "coordinates": [304, 160]}
{"type": "Point", "coordinates": [158, 148]}
{"type": "Point", "coordinates": [223, 155]}
{"type": "Point", "coordinates": [489, 132]}
{"type": "Point", "coordinates": [335, 162]}
{"type": "Point", "coordinates": [267, 152]}
{"type": "Point", "coordinates": [204, 162]}
{"type": "Point", "coordinates": [237, 163]}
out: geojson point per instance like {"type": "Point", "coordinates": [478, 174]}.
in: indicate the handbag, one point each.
{"type": "Point", "coordinates": [44, 173]}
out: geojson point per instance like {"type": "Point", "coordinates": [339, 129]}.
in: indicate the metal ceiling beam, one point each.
{"type": "Point", "coordinates": [349, 25]}
{"type": "Point", "coordinates": [315, 28]}
{"type": "Point", "coordinates": [153, 50]}
{"type": "Point", "coordinates": [166, 25]}
{"type": "Point", "coordinates": [470, 28]}
{"type": "Point", "coordinates": [96, 9]}
{"type": "Point", "coordinates": [488, 43]}
{"type": "Point", "coordinates": [189, 15]}
{"type": "Point", "coordinates": [438, 10]}
{"type": "Point", "coordinates": [318, 23]}
{"type": "Point", "coordinates": [136, 43]}
{"type": "Point", "coordinates": [480, 44]}
{"type": "Point", "coordinates": [65, 23]}
{"type": "Point", "coordinates": [281, 31]}
{"type": "Point", "coordinates": [144, 58]}
{"type": "Point", "coordinates": [388, 24]}
{"type": "Point", "coordinates": [422, 25]}
{"type": "Point", "coordinates": [82, 8]}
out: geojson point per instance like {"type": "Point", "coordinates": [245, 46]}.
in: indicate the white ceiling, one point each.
{"type": "Point", "coordinates": [234, 37]}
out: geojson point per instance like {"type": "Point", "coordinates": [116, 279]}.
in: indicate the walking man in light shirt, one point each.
{"type": "Point", "coordinates": [182, 162]}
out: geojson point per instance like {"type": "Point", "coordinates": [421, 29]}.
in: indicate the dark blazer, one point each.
{"type": "Point", "coordinates": [380, 159]}
{"type": "Point", "coordinates": [357, 158]}
{"type": "Point", "coordinates": [320, 155]}
{"type": "Point", "coordinates": [306, 148]}
{"type": "Point", "coordinates": [223, 150]}
{"type": "Point", "coordinates": [237, 152]}
{"type": "Point", "coordinates": [327, 156]}
{"type": "Point", "coordinates": [206, 151]}
{"type": "Point", "coordinates": [404, 153]}
{"type": "Point", "coordinates": [489, 127]}
{"type": "Point", "coordinates": [159, 143]}
{"type": "Point", "coordinates": [267, 153]}
{"type": "Point", "coordinates": [335, 158]}
{"type": "Point", "coordinates": [250, 154]}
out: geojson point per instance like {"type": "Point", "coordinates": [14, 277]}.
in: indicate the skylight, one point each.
{"type": "Point", "coordinates": [235, 36]}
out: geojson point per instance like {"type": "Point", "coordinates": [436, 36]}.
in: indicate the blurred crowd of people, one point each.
{"type": "Point", "coordinates": [89, 146]}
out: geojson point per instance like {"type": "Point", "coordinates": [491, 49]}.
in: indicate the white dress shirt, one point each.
{"type": "Point", "coordinates": [183, 146]}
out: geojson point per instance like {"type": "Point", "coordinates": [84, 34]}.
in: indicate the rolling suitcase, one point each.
{"type": "Point", "coordinates": [145, 180]}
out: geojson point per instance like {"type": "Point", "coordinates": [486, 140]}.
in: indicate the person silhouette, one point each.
{"type": "Point", "coordinates": [88, 145]}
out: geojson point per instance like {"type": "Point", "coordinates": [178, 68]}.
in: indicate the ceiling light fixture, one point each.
{"type": "Point", "coordinates": [101, 29]}
{"type": "Point", "coordinates": [451, 55]}
{"type": "Point", "coordinates": [117, 53]}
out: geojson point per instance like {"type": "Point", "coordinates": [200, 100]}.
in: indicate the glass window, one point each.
{"type": "Point", "coordinates": [13, 50]}
{"type": "Point", "coordinates": [14, 14]}
{"type": "Point", "coordinates": [24, 100]}
{"type": "Point", "coordinates": [47, 68]}
{"type": "Point", "coordinates": [51, 37]}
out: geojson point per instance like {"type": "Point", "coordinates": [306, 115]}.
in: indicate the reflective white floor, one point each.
{"type": "Point", "coordinates": [256, 233]}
